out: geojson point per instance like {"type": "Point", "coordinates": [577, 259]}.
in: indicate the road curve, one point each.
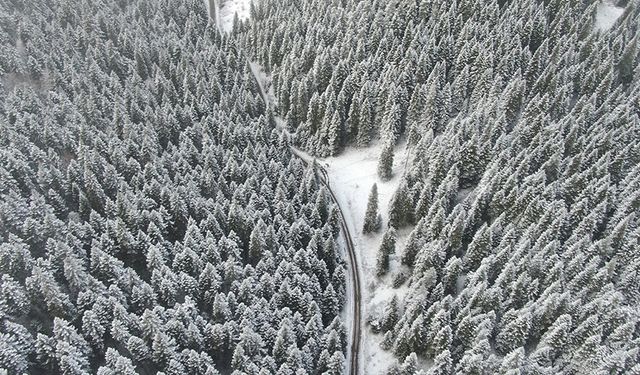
{"type": "Point", "coordinates": [354, 358]}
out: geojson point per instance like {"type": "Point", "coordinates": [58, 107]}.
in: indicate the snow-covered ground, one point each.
{"type": "Point", "coordinates": [228, 10]}
{"type": "Point", "coordinates": [607, 14]}
{"type": "Point", "coordinates": [351, 175]}
{"type": "Point", "coordinates": [264, 80]}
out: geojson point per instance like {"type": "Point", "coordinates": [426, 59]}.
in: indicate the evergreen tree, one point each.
{"type": "Point", "coordinates": [372, 220]}
{"type": "Point", "coordinates": [410, 365]}
{"type": "Point", "coordinates": [442, 364]}
{"type": "Point", "coordinates": [330, 303]}
{"type": "Point", "coordinates": [515, 331]}
{"type": "Point", "coordinates": [387, 247]}
{"type": "Point", "coordinates": [365, 125]}
{"type": "Point", "coordinates": [256, 243]}
{"type": "Point", "coordinates": [390, 315]}
{"type": "Point", "coordinates": [400, 209]}
{"type": "Point", "coordinates": [385, 162]}
{"type": "Point", "coordinates": [335, 134]}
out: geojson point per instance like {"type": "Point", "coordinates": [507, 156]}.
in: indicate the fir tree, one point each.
{"type": "Point", "coordinates": [365, 126]}
{"type": "Point", "coordinates": [372, 220]}
{"type": "Point", "coordinates": [400, 209]}
{"type": "Point", "coordinates": [385, 162]}
{"type": "Point", "coordinates": [387, 247]}
{"type": "Point", "coordinates": [390, 315]}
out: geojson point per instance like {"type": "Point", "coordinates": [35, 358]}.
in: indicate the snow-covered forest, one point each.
{"type": "Point", "coordinates": [151, 218]}
{"type": "Point", "coordinates": [161, 213]}
{"type": "Point", "coordinates": [520, 202]}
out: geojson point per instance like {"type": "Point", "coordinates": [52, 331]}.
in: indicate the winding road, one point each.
{"type": "Point", "coordinates": [353, 355]}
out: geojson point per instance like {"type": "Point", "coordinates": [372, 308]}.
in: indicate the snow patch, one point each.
{"type": "Point", "coordinates": [353, 173]}
{"type": "Point", "coordinates": [265, 83]}
{"type": "Point", "coordinates": [463, 194]}
{"type": "Point", "coordinates": [228, 10]}
{"type": "Point", "coordinates": [606, 15]}
{"type": "Point", "coordinates": [375, 361]}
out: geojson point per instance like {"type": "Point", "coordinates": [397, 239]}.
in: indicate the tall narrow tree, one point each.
{"type": "Point", "coordinates": [372, 219]}
{"type": "Point", "coordinates": [385, 162]}
{"type": "Point", "coordinates": [387, 247]}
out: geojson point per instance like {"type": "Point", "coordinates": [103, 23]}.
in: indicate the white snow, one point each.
{"type": "Point", "coordinates": [606, 15]}
{"type": "Point", "coordinates": [228, 10]}
{"type": "Point", "coordinates": [265, 83]}
{"type": "Point", "coordinates": [353, 173]}
{"type": "Point", "coordinates": [351, 176]}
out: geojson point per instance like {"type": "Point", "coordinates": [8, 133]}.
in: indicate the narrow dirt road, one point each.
{"type": "Point", "coordinates": [354, 349]}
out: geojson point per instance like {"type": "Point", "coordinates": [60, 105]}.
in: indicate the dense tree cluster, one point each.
{"type": "Point", "coordinates": [151, 218]}
{"type": "Point", "coordinates": [524, 183]}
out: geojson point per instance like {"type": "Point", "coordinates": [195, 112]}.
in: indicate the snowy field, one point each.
{"type": "Point", "coordinates": [351, 176]}
{"type": "Point", "coordinates": [606, 15]}
{"type": "Point", "coordinates": [228, 10]}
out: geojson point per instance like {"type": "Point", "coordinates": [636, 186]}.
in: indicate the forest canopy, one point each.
{"type": "Point", "coordinates": [151, 218]}
{"type": "Point", "coordinates": [523, 189]}
{"type": "Point", "coordinates": [154, 219]}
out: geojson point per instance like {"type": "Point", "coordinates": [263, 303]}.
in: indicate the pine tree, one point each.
{"type": "Point", "coordinates": [335, 364]}
{"type": "Point", "coordinates": [365, 124]}
{"type": "Point", "coordinates": [330, 303]}
{"type": "Point", "coordinates": [353, 119]}
{"type": "Point", "coordinates": [239, 360]}
{"type": "Point", "coordinates": [372, 220]}
{"type": "Point", "coordinates": [515, 331]}
{"type": "Point", "coordinates": [512, 362]}
{"type": "Point", "coordinates": [387, 247]}
{"type": "Point", "coordinates": [400, 208]}
{"type": "Point", "coordinates": [256, 243]}
{"type": "Point", "coordinates": [116, 364]}
{"type": "Point", "coordinates": [385, 162]}
{"type": "Point", "coordinates": [410, 365]}
{"type": "Point", "coordinates": [71, 348]}
{"type": "Point", "coordinates": [442, 364]}
{"type": "Point", "coordinates": [392, 123]}
{"type": "Point", "coordinates": [390, 315]}
{"type": "Point", "coordinates": [15, 352]}
{"type": "Point", "coordinates": [335, 134]}
{"type": "Point", "coordinates": [163, 348]}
